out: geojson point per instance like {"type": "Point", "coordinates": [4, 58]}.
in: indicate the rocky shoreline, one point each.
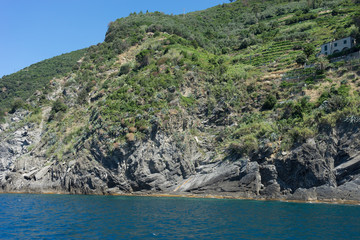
{"type": "Point", "coordinates": [201, 196]}
{"type": "Point", "coordinates": [324, 169]}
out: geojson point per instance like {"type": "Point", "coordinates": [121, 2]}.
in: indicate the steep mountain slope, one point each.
{"type": "Point", "coordinates": [26, 82]}
{"type": "Point", "coordinates": [213, 102]}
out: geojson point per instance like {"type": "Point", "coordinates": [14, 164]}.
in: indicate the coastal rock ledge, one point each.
{"type": "Point", "coordinates": [325, 168]}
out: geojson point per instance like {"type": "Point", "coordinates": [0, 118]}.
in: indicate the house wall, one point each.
{"type": "Point", "coordinates": [337, 46]}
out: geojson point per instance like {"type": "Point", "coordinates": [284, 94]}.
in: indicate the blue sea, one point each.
{"type": "Point", "coordinates": [117, 217]}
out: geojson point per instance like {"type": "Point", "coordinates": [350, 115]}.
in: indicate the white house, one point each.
{"type": "Point", "coordinates": [337, 46]}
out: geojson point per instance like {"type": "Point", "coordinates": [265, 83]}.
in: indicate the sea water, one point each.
{"type": "Point", "coordinates": [117, 217]}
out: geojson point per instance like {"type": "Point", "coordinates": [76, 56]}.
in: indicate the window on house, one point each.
{"type": "Point", "coordinates": [325, 48]}
{"type": "Point", "coordinates": [335, 44]}
{"type": "Point", "coordinates": [326, 53]}
{"type": "Point", "coordinates": [345, 41]}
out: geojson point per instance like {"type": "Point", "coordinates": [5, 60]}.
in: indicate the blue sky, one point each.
{"type": "Point", "coordinates": [34, 30]}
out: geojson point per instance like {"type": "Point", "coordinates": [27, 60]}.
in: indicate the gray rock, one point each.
{"type": "Point", "coordinates": [40, 174]}
{"type": "Point", "coordinates": [30, 175]}
{"type": "Point", "coordinates": [302, 194]}
{"type": "Point", "coordinates": [324, 168]}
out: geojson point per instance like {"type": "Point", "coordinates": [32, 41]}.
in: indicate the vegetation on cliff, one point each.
{"type": "Point", "coordinates": [18, 87]}
{"type": "Point", "coordinates": [232, 75]}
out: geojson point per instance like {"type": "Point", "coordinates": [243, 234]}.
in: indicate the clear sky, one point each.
{"type": "Point", "coordinates": [34, 30]}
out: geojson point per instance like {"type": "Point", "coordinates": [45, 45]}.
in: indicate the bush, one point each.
{"type": "Point", "coordinates": [309, 50]}
{"type": "Point", "coordinates": [292, 110]}
{"type": "Point", "coordinates": [297, 46]}
{"type": "Point", "coordinates": [143, 58]}
{"type": "Point", "coordinates": [58, 106]}
{"type": "Point", "coordinates": [246, 43]}
{"type": "Point", "coordinates": [336, 11]}
{"type": "Point", "coordinates": [125, 69]}
{"type": "Point", "coordinates": [297, 111]}
{"type": "Point", "coordinates": [82, 97]}
{"type": "Point", "coordinates": [300, 134]}
{"type": "Point", "coordinates": [17, 104]}
{"type": "Point", "coordinates": [270, 102]}
{"type": "Point", "coordinates": [301, 59]}
{"type": "Point", "coordinates": [245, 146]}
{"type": "Point", "coordinates": [194, 57]}
{"type": "Point", "coordinates": [343, 90]}
{"type": "Point", "coordinates": [250, 144]}
{"type": "Point", "coordinates": [336, 102]}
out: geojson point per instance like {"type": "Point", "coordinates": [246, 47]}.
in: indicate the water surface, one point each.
{"type": "Point", "coordinates": [112, 217]}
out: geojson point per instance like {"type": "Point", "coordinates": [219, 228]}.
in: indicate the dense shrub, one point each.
{"type": "Point", "coordinates": [82, 97]}
{"type": "Point", "coordinates": [58, 106]}
{"type": "Point", "coordinates": [309, 50]}
{"type": "Point", "coordinates": [26, 82]}
{"type": "Point", "coordinates": [270, 102]}
{"type": "Point", "coordinates": [125, 69]}
{"type": "Point", "coordinates": [16, 104]}
{"type": "Point", "coordinates": [301, 59]}
{"type": "Point", "coordinates": [244, 146]}
{"type": "Point", "coordinates": [57, 110]}
{"type": "Point", "coordinates": [143, 58]}
{"type": "Point", "coordinates": [247, 42]}
{"type": "Point", "coordinates": [300, 134]}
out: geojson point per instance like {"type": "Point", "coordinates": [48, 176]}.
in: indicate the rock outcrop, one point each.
{"type": "Point", "coordinates": [326, 168]}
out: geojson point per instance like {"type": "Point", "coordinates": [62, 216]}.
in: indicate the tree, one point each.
{"type": "Point", "coordinates": [125, 69]}
{"type": "Point", "coordinates": [58, 109]}
{"type": "Point", "coordinates": [309, 50]}
{"type": "Point", "coordinates": [356, 19]}
{"type": "Point", "coordinates": [59, 106]}
{"type": "Point", "coordinates": [143, 58]}
{"type": "Point", "coordinates": [270, 102]}
{"type": "Point", "coordinates": [323, 62]}
{"type": "Point", "coordinates": [336, 11]}
{"type": "Point", "coordinates": [301, 59]}
{"type": "Point", "coordinates": [16, 104]}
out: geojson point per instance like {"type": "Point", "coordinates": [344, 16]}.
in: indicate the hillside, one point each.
{"type": "Point", "coordinates": [211, 102]}
{"type": "Point", "coordinates": [23, 84]}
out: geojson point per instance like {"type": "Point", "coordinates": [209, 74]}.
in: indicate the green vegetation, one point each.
{"type": "Point", "coordinates": [269, 103]}
{"type": "Point", "coordinates": [234, 72]}
{"type": "Point", "coordinates": [58, 107]}
{"type": "Point", "coordinates": [25, 83]}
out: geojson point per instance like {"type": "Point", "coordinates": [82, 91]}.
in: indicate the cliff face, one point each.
{"type": "Point", "coordinates": [216, 102]}
{"type": "Point", "coordinates": [323, 168]}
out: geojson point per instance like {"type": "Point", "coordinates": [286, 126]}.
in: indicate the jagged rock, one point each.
{"type": "Point", "coordinates": [305, 167]}
{"type": "Point", "coordinates": [304, 195]}
{"type": "Point", "coordinates": [39, 175]}
{"type": "Point", "coordinates": [30, 175]}
{"type": "Point", "coordinates": [272, 191]}
{"type": "Point", "coordinates": [320, 169]}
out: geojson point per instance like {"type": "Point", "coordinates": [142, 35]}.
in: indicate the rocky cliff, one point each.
{"type": "Point", "coordinates": [325, 168]}
{"type": "Point", "coordinates": [215, 102]}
